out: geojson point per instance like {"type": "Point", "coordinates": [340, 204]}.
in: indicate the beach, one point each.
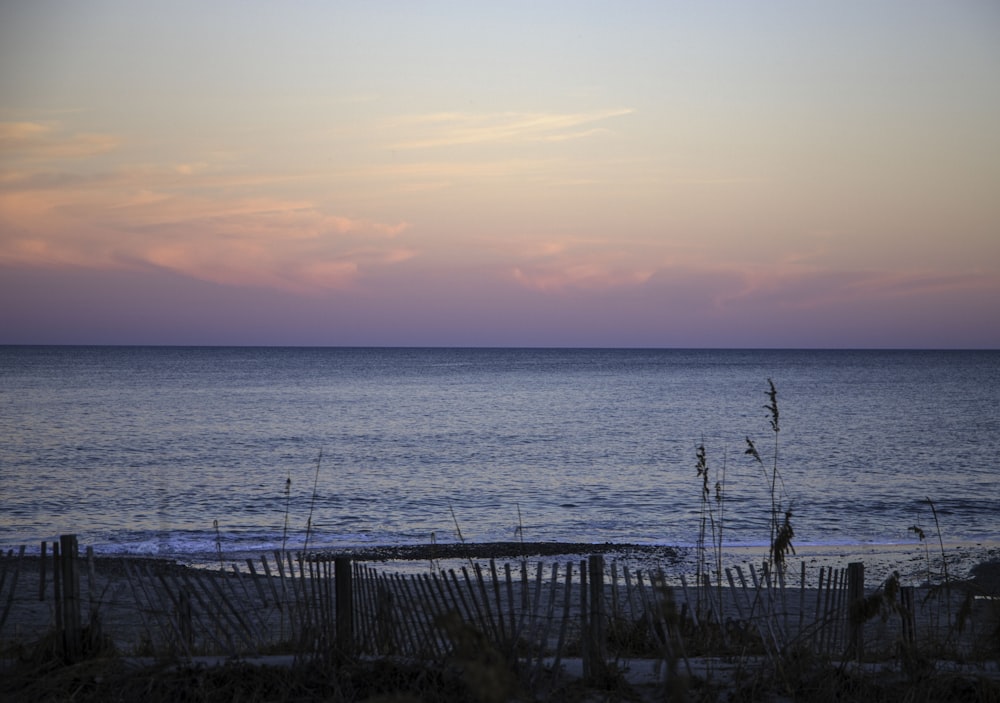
{"type": "Point", "coordinates": [523, 601]}
{"type": "Point", "coordinates": [107, 589]}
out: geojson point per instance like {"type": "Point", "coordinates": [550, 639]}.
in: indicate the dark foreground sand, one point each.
{"type": "Point", "coordinates": [972, 568]}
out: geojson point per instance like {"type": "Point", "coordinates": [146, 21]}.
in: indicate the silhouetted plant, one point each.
{"type": "Point", "coordinates": [288, 501]}
{"type": "Point", "coordinates": [781, 531]}
{"type": "Point", "coordinates": [711, 515]}
{"type": "Point", "coordinates": [312, 503]}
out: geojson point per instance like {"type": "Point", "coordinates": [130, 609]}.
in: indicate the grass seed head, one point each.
{"type": "Point", "coordinates": [772, 406]}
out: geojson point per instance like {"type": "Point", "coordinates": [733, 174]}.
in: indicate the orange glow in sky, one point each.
{"type": "Point", "coordinates": [722, 174]}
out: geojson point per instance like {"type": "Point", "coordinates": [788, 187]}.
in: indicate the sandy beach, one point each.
{"type": "Point", "coordinates": [106, 586]}
{"type": "Point", "coordinates": [136, 607]}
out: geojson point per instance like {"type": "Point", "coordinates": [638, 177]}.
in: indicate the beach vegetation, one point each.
{"type": "Point", "coordinates": [780, 522]}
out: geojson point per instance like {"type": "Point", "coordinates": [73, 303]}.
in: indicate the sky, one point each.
{"type": "Point", "coordinates": [596, 174]}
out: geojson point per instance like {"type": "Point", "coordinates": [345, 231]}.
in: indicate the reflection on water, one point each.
{"type": "Point", "coordinates": [141, 449]}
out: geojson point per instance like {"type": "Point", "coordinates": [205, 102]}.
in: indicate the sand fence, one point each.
{"type": "Point", "coordinates": [532, 614]}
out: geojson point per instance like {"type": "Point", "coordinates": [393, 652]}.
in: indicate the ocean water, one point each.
{"type": "Point", "coordinates": [181, 452]}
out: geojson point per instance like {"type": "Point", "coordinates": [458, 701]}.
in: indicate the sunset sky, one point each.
{"type": "Point", "coordinates": [610, 174]}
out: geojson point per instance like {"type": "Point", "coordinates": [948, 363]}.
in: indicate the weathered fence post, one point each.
{"type": "Point", "coordinates": [69, 603]}
{"type": "Point", "coordinates": [41, 572]}
{"type": "Point", "coordinates": [344, 594]}
{"type": "Point", "coordinates": [5, 610]}
{"type": "Point", "coordinates": [385, 633]}
{"type": "Point", "coordinates": [585, 648]}
{"type": "Point", "coordinates": [185, 619]}
{"type": "Point", "coordinates": [596, 648]}
{"type": "Point", "coordinates": [906, 603]}
{"type": "Point", "coordinates": [57, 592]}
{"type": "Point", "coordinates": [855, 618]}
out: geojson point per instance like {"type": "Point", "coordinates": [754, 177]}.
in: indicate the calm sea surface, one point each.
{"type": "Point", "coordinates": [180, 451]}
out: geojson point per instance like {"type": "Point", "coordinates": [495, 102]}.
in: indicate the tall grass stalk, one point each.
{"type": "Point", "coordinates": [288, 503]}
{"type": "Point", "coordinates": [520, 529]}
{"type": "Point", "coordinates": [702, 472]}
{"type": "Point", "coordinates": [772, 408]}
{"type": "Point", "coordinates": [922, 536]}
{"type": "Point", "coordinates": [944, 561]}
{"type": "Point", "coordinates": [312, 503]}
{"type": "Point", "coordinates": [712, 513]}
{"type": "Point", "coordinates": [458, 531]}
{"type": "Point", "coordinates": [937, 527]}
{"type": "Point", "coordinates": [781, 532]}
{"type": "Point", "coordinates": [218, 543]}
{"type": "Point", "coordinates": [720, 491]}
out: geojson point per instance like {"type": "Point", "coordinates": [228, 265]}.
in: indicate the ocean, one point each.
{"type": "Point", "coordinates": [188, 452]}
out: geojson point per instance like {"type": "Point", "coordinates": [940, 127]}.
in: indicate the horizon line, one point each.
{"type": "Point", "coordinates": [466, 347]}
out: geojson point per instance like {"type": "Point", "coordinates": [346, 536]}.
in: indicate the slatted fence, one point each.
{"type": "Point", "coordinates": [532, 614]}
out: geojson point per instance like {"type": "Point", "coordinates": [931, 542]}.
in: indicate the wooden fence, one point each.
{"type": "Point", "coordinates": [535, 615]}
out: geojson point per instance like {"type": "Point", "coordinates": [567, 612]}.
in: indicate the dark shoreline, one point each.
{"type": "Point", "coordinates": [977, 564]}
{"type": "Point", "coordinates": [509, 550]}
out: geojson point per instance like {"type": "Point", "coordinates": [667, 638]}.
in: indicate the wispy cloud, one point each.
{"type": "Point", "coordinates": [197, 217]}
{"type": "Point", "coordinates": [567, 265]}
{"type": "Point", "coordinates": [593, 275]}
{"type": "Point", "coordinates": [210, 234]}
{"type": "Point", "coordinates": [14, 133]}
{"type": "Point", "coordinates": [457, 128]}
{"type": "Point", "coordinates": [717, 181]}
{"type": "Point", "coordinates": [36, 140]}
{"type": "Point", "coordinates": [555, 264]}
{"type": "Point", "coordinates": [813, 288]}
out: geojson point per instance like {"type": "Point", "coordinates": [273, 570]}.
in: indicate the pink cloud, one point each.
{"type": "Point", "coordinates": [591, 276]}
{"type": "Point", "coordinates": [34, 140]}
{"type": "Point", "coordinates": [195, 219]}
{"type": "Point", "coordinates": [288, 244]}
